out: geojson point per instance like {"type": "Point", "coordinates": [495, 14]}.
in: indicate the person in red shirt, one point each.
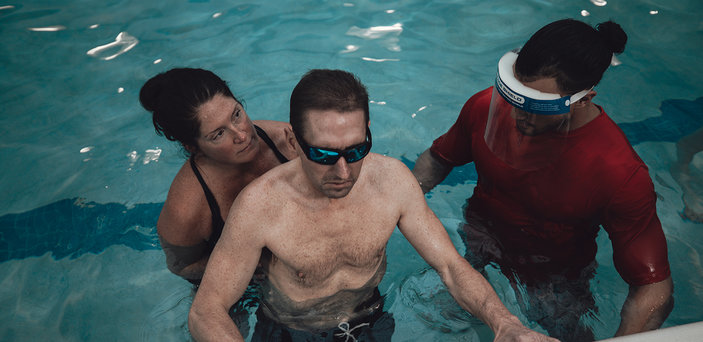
{"type": "Point", "coordinates": [552, 169]}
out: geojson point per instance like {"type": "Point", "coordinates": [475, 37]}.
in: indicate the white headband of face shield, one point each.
{"type": "Point", "coordinates": [526, 98]}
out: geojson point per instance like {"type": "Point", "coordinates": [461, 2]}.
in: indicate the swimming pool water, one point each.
{"type": "Point", "coordinates": [84, 175]}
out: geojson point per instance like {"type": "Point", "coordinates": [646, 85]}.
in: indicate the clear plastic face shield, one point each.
{"type": "Point", "coordinates": [526, 128]}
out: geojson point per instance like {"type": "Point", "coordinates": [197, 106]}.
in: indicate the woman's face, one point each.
{"type": "Point", "coordinates": [226, 133]}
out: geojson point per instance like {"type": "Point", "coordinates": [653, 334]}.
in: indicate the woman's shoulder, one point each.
{"type": "Point", "coordinates": [184, 218]}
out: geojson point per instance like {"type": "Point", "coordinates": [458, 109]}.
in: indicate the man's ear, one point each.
{"type": "Point", "coordinates": [586, 100]}
{"type": "Point", "coordinates": [290, 138]}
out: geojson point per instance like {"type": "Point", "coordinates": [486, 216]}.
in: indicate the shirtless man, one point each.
{"type": "Point", "coordinates": [323, 222]}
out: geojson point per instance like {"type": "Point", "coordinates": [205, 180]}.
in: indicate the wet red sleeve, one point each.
{"type": "Point", "coordinates": [454, 147]}
{"type": "Point", "coordinates": [639, 245]}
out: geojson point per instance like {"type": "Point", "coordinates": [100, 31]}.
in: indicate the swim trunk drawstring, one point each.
{"type": "Point", "coordinates": [344, 327]}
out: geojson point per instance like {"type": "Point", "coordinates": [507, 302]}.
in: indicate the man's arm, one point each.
{"type": "Point", "coordinates": [640, 254]}
{"type": "Point", "coordinates": [646, 307]}
{"type": "Point", "coordinates": [231, 266]}
{"type": "Point", "coordinates": [473, 293]}
{"type": "Point", "coordinates": [430, 171]}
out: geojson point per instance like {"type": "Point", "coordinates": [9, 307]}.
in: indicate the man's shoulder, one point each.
{"type": "Point", "coordinates": [382, 164]}
{"type": "Point", "coordinates": [388, 173]}
{"type": "Point", "coordinates": [480, 100]}
{"type": "Point", "coordinates": [273, 182]}
{"type": "Point", "coordinates": [606, 142]}
{"type": "Point", "coordinates": [475, 110]}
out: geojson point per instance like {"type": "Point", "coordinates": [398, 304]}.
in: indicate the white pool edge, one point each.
{"type": "Point", "coordinates": [681, 333]}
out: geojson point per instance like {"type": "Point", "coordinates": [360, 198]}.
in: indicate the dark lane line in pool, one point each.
{"type": "Point", "coordinates": [71, 228]}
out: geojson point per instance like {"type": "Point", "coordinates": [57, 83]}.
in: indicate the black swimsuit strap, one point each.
{"type": "Point", "coordinates": [217, 222]}
{"type": "Point", "coordinates": [261, 133]}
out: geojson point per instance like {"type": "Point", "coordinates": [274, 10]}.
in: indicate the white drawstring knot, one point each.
{"type": "Point", "coordinates": [344, 327]}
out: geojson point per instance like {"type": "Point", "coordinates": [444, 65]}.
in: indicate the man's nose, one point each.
{"type": "Point", "coordinates": [342, 169]}
{"type": "Point", "coordinates": [521, 114]}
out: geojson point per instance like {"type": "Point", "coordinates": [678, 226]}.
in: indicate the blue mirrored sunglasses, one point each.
{"type": "Point", "coordinates": [328, 156]}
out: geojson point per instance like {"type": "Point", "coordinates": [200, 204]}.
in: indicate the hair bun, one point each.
{"type": "Point", "coordinates": [613, 36]}
{"type": "Point", "coordinates": [151, 92]}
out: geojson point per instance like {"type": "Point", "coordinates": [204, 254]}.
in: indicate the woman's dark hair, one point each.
{"type": "Point", "coordinates": [571, 51]}
{"type": "Point", "coordinates": [325, 89]}
{"type": "Point", "coordinates": [174, 96]}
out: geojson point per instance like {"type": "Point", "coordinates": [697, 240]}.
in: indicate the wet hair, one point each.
{"type": "Point", "coordinates": [173, 97]}
{"type": "Point", "coordinates": [572, 52]}
{"type": "Point", "coordinates": [324, 89]}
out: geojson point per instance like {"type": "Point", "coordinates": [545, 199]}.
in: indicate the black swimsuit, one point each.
{"type": "Point", "coordinates": [217, 222]}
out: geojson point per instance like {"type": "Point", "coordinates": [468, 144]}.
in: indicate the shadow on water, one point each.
{"type": "Point", "coordinates": [679, 118]}
{"type": "Point", "coordinates": [71, 228]}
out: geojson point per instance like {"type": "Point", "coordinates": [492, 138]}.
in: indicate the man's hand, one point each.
{"type": "Point", "coordinates": [515, 331]}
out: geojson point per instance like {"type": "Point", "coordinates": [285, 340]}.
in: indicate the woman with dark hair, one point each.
{"type": "Point", "coordinates": [225, 150]}
{"type": "Point", "coordinates": [552, 169]}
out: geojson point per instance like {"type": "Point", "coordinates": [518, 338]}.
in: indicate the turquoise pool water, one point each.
{"type": "Point", "coordinates": [84, 175]}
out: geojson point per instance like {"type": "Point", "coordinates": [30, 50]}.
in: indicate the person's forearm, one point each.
{"type": "Point", "coordinates": [212, 324]}
{"type": "Point", "coordinates": [473, 293]}
{"type": "Point", "coordinates": [429, 171]}
{"type": "Point", "coordinates": [646, 307]}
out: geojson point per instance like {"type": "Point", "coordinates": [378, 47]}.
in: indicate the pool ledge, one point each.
{"type": "Point", "coordinates": [686, 332]}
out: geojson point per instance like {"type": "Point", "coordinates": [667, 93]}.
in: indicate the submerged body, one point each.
{"type": "Point", "coordinates": [324, 312]}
